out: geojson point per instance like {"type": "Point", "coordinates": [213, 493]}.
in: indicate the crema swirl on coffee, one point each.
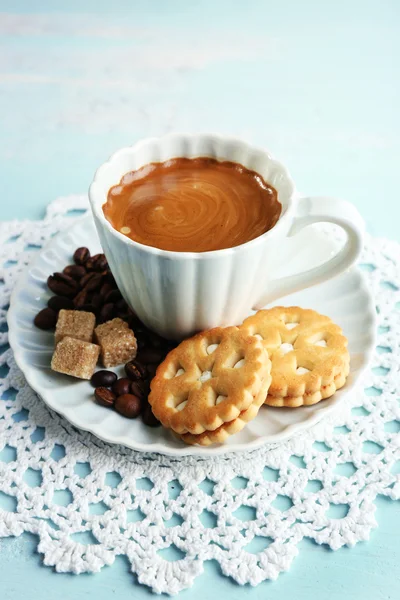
{"type": "Point", "coordinates": [192, 205]}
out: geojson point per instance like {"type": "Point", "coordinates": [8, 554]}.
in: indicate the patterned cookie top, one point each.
{"type": "Point", "coordinates": [208, 380]}
{"type": "Point", "coordinates": [307, 349]}
{"type": "Point", "coordinates": [219, 435]}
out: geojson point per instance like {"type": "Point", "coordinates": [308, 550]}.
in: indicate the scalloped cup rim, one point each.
{"type": "Point", "coordinates": [96, 202]}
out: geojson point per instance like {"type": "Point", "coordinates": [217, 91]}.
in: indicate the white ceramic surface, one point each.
{"type": "Point", "coordinates": [178, 293]}
{"type": "Point", "coordinates": [345, 299]}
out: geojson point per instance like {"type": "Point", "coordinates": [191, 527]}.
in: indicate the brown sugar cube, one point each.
{"type": "Point", "coordinates": [115, 326]}
{"type": "Point", "coordinates": [110, 326]}
{"type": "Point", "coordinates": [76, 324]}
{"type": "Point", "coordinates": [75, 357]}
{"type": "Point", "coordinates": [117, 342]}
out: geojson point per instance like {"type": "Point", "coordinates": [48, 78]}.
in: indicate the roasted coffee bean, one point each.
{"type": "Point", "coordinates": [62, 277]}
{"type": "Point", "coordinates": [105, 289]}
{"type": "Point", "coordinates": [151, 355]}
{"type": "Point", "coordinates": [110, 279]}
{"type": "Point", "coordinates": [62, 285]}
{"type": "Point", "coordinates": [81, 255]}
{"type": "Point", "coordinates": [98, 262]}
{"type": "Point", "coordinates": [122, 306]}
{"type": "Point", "coordinates": [140, 389]}
{"type": "Point", "coordinates": [106, 313]}
{"type": "Point", "coordinates": [90, 264]}
{"type": "Point", "coordinates": [103, 379]}
{"type": "Point", "coordinates": [86, 278]}
{"type": "Point", "coordinates": [122, 315]}
{"type": "Point", "coordinates": [141, 342]}
{"type": "Point", "coordinates": [57, 303]}
{"type": "Point", "coordinates": [94, 283]}
{"type": "Point", "coordinates": [96, 300]}
{"type": "Point", "coordinates": [75, 271]}
{"type": "Point", "coordinates": [136, 370]}
{"type": "Point", "coordinates": [128, 405]}
{"type": "Point", "coordinates": [145, 338]}
{"type": "Point", "coordinates": [46, 319]}
{"type": "Point", "coordinates": [95, 257]}
{"type": "Point", "coordinates": [104, 273]}
{"type": "Point", "coordinates": [81, 299]}
{"type": "Point", "coordinates": [88, 308]}
{"type": "Point", "coordinates": [148, 418]}
{"type": "Point", "coordinates": [141, 330]}
{"type": "Point", "coordinates": [104, 396]}
{"type": "Point", "coordinates": [155, 340]}
{"type": "Point", "coordinates": [113, 296]}
{"type": "Point", "coordinates": [122, 386]}
{"type": "Point", "coordinates": [101, 263]}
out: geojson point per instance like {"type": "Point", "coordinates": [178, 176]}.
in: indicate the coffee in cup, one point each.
{"type": "Point", "coordinates": [192, 205]}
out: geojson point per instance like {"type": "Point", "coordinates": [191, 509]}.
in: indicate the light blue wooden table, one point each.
{"type": "Point", "coordinates": [315, 82]}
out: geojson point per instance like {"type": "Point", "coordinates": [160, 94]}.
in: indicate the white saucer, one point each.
{"type": "Point", "coordinates": [345, 299]}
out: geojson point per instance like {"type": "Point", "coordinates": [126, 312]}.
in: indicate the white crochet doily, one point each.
{"type": "Point", "coordinates": [88, 501]}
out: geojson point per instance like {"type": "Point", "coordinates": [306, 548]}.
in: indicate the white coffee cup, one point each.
{"type": "Point", "coordinates": [178, 293]}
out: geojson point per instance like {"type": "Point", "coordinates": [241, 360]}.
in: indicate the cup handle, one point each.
{"type": "Point", "coordinates": [316, 210]}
